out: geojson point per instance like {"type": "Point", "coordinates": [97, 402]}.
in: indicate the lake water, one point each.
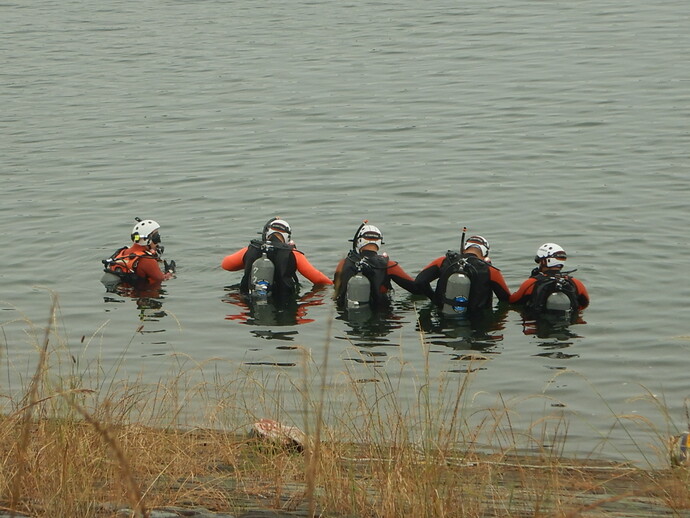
{"type": "Point", "coordinates": [527, 122]}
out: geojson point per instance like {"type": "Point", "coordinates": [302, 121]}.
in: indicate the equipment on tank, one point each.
{"type": "Point", "coordinates": [261, 277]}
{"type": "Point", "coordinates": [457, 291]}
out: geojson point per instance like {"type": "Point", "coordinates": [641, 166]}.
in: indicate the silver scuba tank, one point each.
{"type": "Point", "coordinates": [558, 301]}
{"type": "Point", "coordinates": [261, 276]}
{"type": "Point", "coordinates": [358, 291]}
{"type": "Point", "coordinates": [110, 281]}
{"type": "Point", "coordinates": [457, 290]}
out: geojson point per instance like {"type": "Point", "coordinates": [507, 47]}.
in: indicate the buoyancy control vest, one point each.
{"type": "Point", "coordinates": [123, 263]}
{"type": "Point", "coordinates": [373, 268]}
{"type": "Point", "coordinates": [472, 268]}
{"type": "Point", "coordinates": [553, 293]}
{"type": "Point", "coordinates": [284, 282]}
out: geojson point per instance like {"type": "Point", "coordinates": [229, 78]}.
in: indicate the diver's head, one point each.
{"type": "Point", "coordinates": [278, 229]}
{"type": "Point", "coordinates": [367, 237]}
{"type": "Point", "coordinates": [478, 246]}
{"type": "Point", "coordinates": [145, 232]}
{"type": "Point", "coordinates": [550, 255]}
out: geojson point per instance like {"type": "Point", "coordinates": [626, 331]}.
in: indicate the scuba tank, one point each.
{"type": "Point", "coordinates": [457, 294]}
{"type": "Point", "coordinates": [559, 296]}
{"type": "Point", "coordinates": [110, 281]}
{"type": "Point", "coordinates": [261, 276]}
{"type": "Point", "coordinates": [558, 301]}
{"type": "Point", "coordinates": [358, 290]}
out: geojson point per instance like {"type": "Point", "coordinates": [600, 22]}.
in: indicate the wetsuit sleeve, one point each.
{"type": "Point", "coordinates": [524, 291]}
{"type": "Point", "coordinates": [582, 294]}
{"type": "Point", "coordinates": [430, 273]}
{"type": "Point", "coordinates": [402, 279]}
{"type": "Point", "coordinates": [148, 268]}
{"type": "Point", "coordinates": [234, 262]}
{"type": "Point", "coordinates": [498, 284]}
{"type": "Point", "coordinates": [309, 271]}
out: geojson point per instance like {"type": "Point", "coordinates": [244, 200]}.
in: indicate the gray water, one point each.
{"type": "Point", "coordinates": [527, 122]}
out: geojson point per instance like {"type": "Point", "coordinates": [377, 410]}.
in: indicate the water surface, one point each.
{"type": "Point", "coordinates": [526, 122]}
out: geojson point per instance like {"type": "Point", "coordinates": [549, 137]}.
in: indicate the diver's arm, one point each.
{"type": "Point", "coordinates": [310, 271]}
{"type": "Point", "coordinates": [402, 279]}
{"type": "Point", "coordinates": [234, 262]}
{"type": "Point", "coordinates": [524, 291]}
{"type": "Point", "coordinates": [430, 273]}
{"type": "Point", "coordinates": [498, 284]}
{"type": "Point", "coordinates": [582, 294]}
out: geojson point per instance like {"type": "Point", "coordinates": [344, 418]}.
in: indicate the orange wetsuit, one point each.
{"type": "Point", "coordinates": [524, 292]}
{"type": "Point", "coordinates": [235, 262]}
{"type": "Point", "coordinates": [380, 273]}
{"type": "Point", "coordinates": [485, 280]}
{"type": "Point", "coordinates": [145, 262]}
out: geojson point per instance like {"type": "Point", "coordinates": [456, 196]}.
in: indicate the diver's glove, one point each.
{"type": "Point", "coordinates": [169, 266]}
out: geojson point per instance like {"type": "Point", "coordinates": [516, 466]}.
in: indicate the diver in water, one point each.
{"type": "Point", "coordinates": [466, 279]}
{"type": "Point", "coordinates": [140, 261]}
{"type": "Point", "coordinates": [364, 276]}
{"type": "Point", "coordinates": [271, 264]}
{"type": "Point", "coordinates": [548, 288]}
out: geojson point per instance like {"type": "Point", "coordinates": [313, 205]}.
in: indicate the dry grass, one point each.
{"type": "Point", "coordinates": [72, 446]}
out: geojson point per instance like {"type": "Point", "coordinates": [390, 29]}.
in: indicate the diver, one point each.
{"type": "Point", "coordinates": [549, 289]}
{"type": "Point", "coordinates": [363, 277]}
{"type": "Point", "coordinates": [466, 280]}
{"type": "Point", "coordinates": [139, 263]}
{"type": "Point", "coordinates": [270, 264]}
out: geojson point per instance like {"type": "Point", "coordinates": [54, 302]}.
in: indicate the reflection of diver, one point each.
{"type": "Point", "coordinates": [554, 332]}
{"type": "Point", "coordinates": [370, 327]}
{"type": "Point", "coordinates": [149, 297]}
{"type": "Point", "coordinates": [273, 311]}
{"type": "Point", "coordinates": [479, 330]}
{"type": "Point", "coordinates": [551, 324]}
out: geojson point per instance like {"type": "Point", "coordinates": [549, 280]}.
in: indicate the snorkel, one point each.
{"type": "Point", "coordinates": [354, 239]}
{"type": "Point", "coordinates": [462, 240]}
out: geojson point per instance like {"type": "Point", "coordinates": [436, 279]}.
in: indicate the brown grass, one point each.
{"type": "Point", "coordinates": [69, 449]}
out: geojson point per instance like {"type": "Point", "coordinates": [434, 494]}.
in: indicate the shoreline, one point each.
{"type": "Point", "coordinates": [241, 476]}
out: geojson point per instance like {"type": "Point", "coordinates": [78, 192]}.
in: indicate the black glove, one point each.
{"type": "Point", "coordinates": [169, 266]}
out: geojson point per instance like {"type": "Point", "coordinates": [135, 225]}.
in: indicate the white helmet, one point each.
{"type": "Point", "coordinates": [551, 255]}
{"type": "Point", "coordinates": [144, 232]}
{"type": "Point", "coordinates": [478, 242]}
{"type": "Point", "coordinates": [277, 226]}
{"type": "Point", "coordinates": [367, 235]}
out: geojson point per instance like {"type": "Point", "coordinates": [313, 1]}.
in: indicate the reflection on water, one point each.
{"type": "Point", "coordinates": [369, 328]}
{"type": "Point", "coordinates": [555, 333]}
{"type": "Point", "coordinates": [271, 312]}
{"type": "Point", "coordinates": [286, 336]}
{"type": "Point", "coordinates": [479, 334]}
{"type": "Point", "coordinates": [551, 326]}
{"type": "Point", "coordinates": [148, 298]}
{"type": "Point", "coordinates": [475, 332]}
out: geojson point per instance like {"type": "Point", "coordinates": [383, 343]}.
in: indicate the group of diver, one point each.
{"type": "Point", "coordinates": [465, 279]}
